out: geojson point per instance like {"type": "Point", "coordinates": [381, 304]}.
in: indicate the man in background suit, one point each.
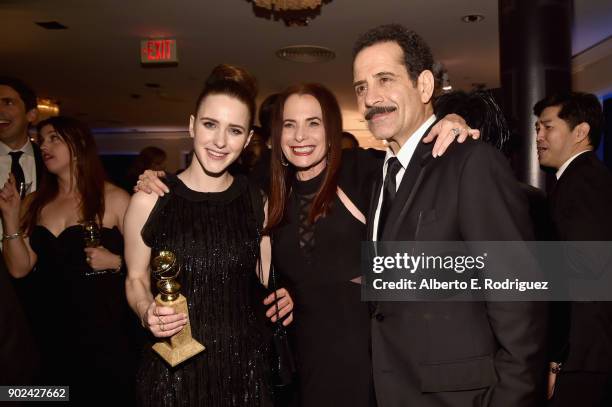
{"type": "Point", "coordinates": [23, 158]}
{"type": "Point", "coordinates": [569, 129]}
{"type": "Point", "coordinates": [17, 153]}
{"type": "Point", "coordinates": [442, 354]}
{"type": "Point", "coordinates": [18, 354]}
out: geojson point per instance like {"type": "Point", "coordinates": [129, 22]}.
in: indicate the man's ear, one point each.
{"type": "Point", "coordinates": [248, 139]}
{"type": "Point", "coordinates": [191, 126]}
{"type": "Point", "coordinates": [581, 133]}
{"type": "Point", "coordinates": [32, 115]}
{"type": "Point", "coordinates": [425, 85]}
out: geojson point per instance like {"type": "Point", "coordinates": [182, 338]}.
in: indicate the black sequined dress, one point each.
{"type": "Point", "coordinates": [215, 238]}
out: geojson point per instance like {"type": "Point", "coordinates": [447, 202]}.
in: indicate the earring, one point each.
{"type": "Point", "coordinates": [283, 161]}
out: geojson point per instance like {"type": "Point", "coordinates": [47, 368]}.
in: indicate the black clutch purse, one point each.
{"type": "Point", "coordinates": [282, 363]}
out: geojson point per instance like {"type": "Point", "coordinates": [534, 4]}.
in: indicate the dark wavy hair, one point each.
{"type": "Point", "coordinates": [88, 173]}
{"type": "Point", "coordinates": [480, 111]}
{"type": "Point", "coordinates": [27, 95]}
{"type": "Point", "coordinates": [281, 177]}
{"type": "Point", "coordinates": [417, 54]}
{"type": "Point", "coordinates": [576, 108]}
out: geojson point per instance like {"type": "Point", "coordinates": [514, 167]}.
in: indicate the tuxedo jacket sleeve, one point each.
{"type": "Point", "coordinates": [492, 206]}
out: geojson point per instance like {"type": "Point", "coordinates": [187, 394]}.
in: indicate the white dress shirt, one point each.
{"type": "Point", "coordinates": [566, 164]}
{"type": "Point", "coordinates": [403, 156]}
{"type": "Point", "coordinates": [27, 162]}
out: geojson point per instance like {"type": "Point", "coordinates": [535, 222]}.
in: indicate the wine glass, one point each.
{"type": "Point", "coordinates": [24, 188]}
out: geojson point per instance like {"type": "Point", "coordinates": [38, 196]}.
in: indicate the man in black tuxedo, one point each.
{"type": "Point", "coordinates": [442, 353]}
{"type": "Point", "coordinates": [569, 128]}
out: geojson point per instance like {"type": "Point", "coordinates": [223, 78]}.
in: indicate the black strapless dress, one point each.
{"type": "Point", "coordinates": [214, 236]}
{"type": "Point", "coordinates": [81, 321]}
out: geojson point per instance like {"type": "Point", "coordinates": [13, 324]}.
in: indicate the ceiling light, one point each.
{"type": "Point", "coordinates": [295, 13]}
{"type": "Point", "coordinates": [47, 107]}
{"type": "Point", "coordinates": [306, 53]}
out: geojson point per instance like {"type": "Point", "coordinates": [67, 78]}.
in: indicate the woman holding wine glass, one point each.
{"type": "Point", "coordinates": [65, 241]}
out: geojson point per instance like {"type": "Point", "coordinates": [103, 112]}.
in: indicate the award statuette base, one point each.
{"type": "Point", "coordinates": [180, 346]}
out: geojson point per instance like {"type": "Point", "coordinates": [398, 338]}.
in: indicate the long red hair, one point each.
{"type": "Point", "coordinates": [88, 173]}
{"type": "Point", "coordinates": [281, 177]}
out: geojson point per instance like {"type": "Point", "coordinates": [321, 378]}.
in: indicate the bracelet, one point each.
{"type": "Point", "coordinates": [13, 236]}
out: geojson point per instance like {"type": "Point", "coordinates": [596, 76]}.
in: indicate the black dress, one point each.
{"type": "Point", "coordinates": [317, 263]}
{"type": "Point", "coordinates": [215, 238]}
{"type": "Point", "coordinates": [81, 320]}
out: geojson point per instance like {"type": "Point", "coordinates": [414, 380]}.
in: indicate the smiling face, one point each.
{"type": "Point", "coordinates": [220, 131]}
{"type": "Point", "coordinates": [556, 142]}
{"type": "Point", "coordinates": [392, 104]}
{"type": "Point", "coordinates": [14, 119]}
{"type": "Point", "coordinates": [303, 139]}
{"type": "Point", "coordinates": [55, 151]}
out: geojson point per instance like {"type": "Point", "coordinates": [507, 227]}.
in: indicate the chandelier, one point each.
{"type": "Point", "coordinates": [294, 13]}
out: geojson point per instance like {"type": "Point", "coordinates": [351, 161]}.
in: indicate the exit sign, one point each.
{"type": "Point", "coordinates": [158, 51]}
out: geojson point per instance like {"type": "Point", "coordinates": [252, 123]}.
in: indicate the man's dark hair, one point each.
{"type": "Point", "coordinates": [26, 93]}
{"type": "Point", "coordinates": [351, 138]}
{"type": "Point", "coordinates": [576, 108]}
{"type": "Point", "coordinates": [480, 111]}
{"type": "Point", "coordinates": [417, 54]}
{"type": "Point", "coordinates": [265, 114]}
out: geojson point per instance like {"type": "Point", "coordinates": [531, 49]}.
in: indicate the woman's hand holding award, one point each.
{"type": "Point", "coordinates": [181, 346]}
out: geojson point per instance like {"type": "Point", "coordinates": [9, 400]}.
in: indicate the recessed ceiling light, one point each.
{"type": "Point", "coordinates": [306, 53]}
{"type": "Point", "coordinates": [447, 88]}
{"type": "Point", "coordinates": [472, 18]}
{"type": "Point", "coordinates": [51, 25]}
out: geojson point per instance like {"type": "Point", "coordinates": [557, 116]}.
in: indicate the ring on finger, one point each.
{"type": "Point", "coordinates": [456, 131]}
{"type": "Point", "coordinates": [161, 327]}
{"type": "Point", "coordinates": [161, 321]}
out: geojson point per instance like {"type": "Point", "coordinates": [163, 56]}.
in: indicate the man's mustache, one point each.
{"type": "Point", "coordinates": [377, 110]}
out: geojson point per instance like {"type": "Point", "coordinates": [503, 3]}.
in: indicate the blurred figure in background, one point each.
{"type": "Point", "coordinates": [260, 171]}
{"type": "Point", "coordinates": [569, 129]}
{"type": "Point", "coordinates": [22, 158]}
{"type": "Point", "coordinates": [150, 158]}
{"type": "Point", "coordinates": [349, 140]}
{"type": "Point", "coordinates": [481, 111]}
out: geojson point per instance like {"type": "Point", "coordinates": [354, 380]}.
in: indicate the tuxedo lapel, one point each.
{"type": "Point", "coordinates": [411, 181]}
{"type": "Point", "coordinates": [576, 165]}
